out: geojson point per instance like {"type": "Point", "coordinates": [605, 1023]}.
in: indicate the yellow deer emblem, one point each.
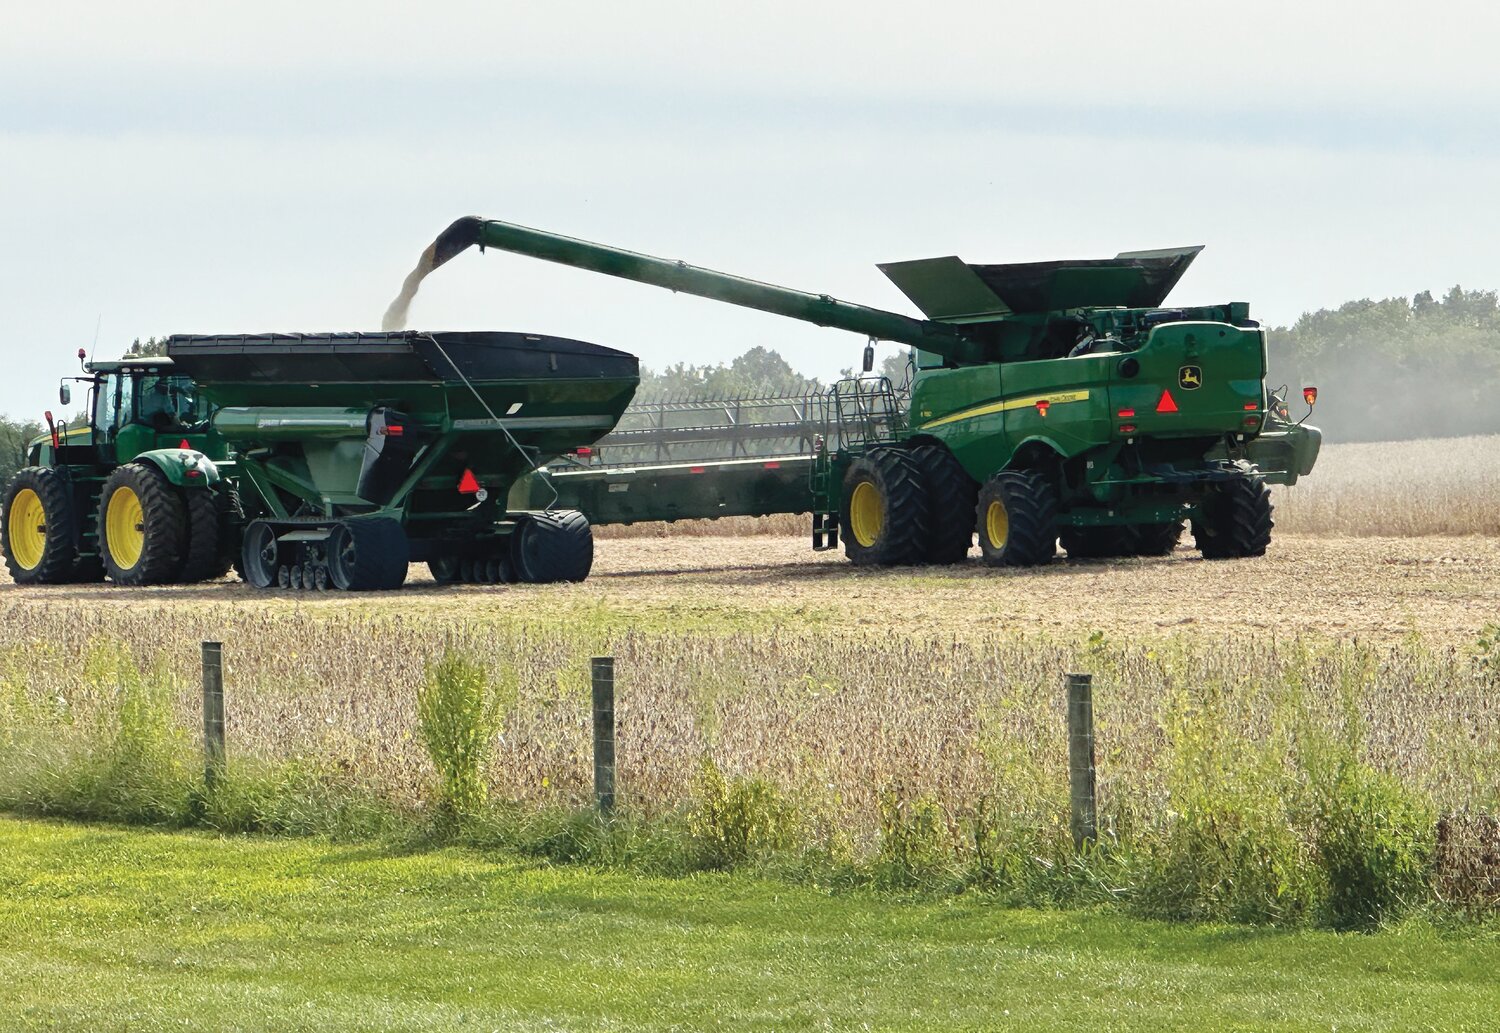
{"type": "Point", "coordinates": [1190, 378]}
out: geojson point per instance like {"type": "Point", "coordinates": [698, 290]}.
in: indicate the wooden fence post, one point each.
{"type": "Point", "coordinates": [1081, 785]}
{"type": "Point", "coordinates": [603, 672]}
{"type": "Point", "coordinates": [213, 713]}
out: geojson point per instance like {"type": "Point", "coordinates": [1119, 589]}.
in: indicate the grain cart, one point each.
{"type": "Point", "coordinates": [356, 454]}
{"type": "Point", "coordinates": [1049, 401]}
{"type": "Point", "coordinates": [144, 445]}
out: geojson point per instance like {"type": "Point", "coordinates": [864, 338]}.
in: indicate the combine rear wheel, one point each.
{"type": "Point", "coordinates": [142, 526]}
{"type": "Point", "coordinates": [951, 495]}
{"type": "Point", "coordinates": [38, 531]}
{"type": "Point", "coordinates": [886, 516]}
{"type": "Point", "coordinates": [549, 547]}
{"type": "Point", "coordinates": [368, 555]}
{"type": "Point", "coordinates": [1236, 520]}
{"type": "Point", "coordinates": [1017, 516]}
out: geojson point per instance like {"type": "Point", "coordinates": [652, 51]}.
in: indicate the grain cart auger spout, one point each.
{"type": "Point", "coordinates": [1049, 402]}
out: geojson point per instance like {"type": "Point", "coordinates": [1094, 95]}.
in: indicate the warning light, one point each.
{"type": "Point", "coordinates": [1127, 428]}
{"type": "Point", "coordinates": [468, 484]}
{"type": "Point", "coordinates": [1125, 414]}
{"type": "Point", "coordinates": [1167, 403]}
{"type": "Point", "coordinates": [773, 466]}
{"type": "Point", "coordinates": [394, 430]}
{"type": "Point", "coordinates": [584, 451]}
{"type": "Point", "coordinates": [1042, 406]}
{"type": "Point", "coordinates": [697, 469]}
{"type": "Point", "coordinates": [1310, 396]}
{"type": "Point", "coordinates": [1251, 406]}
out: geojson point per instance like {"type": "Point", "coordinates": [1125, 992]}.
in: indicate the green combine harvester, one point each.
{"type": "Point", "coordinates": [1048, 401]}
{"type": "Point", "coordinates": [317, 461]}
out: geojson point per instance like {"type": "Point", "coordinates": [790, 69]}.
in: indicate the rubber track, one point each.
{"type": "Point", "coordinates": [204, 560]}
{"type": "Point", "coordinates": [58, 555]}
{"type": "Point", "coordinates": [1032, 506]}
{"type": "Point", "coordinates": [164, 524]}
{"type": "Point", "coordinates": [1239, 519]}
{"type": "Point", "coordinates": [951, 498]}
{"type": "Point", "coordinates": [552, 547]}
{"type": "Point", "coordinates": [908, 525]}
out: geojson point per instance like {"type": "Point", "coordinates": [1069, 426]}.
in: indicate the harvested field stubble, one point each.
{"type": "Point", "coordinates": [855, 731]}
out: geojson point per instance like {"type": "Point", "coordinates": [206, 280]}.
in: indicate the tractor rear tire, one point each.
{"type": "Point", "coordinates": [38, 534]}
{"type": "Point", "coordinates": [547, 548]}
{"type": "Point", "coordinates": [367, 555]}
{"type": "Point", "coordinates": [205, 559]}
{"type": "Point", "coordinates": [886, 517]}
{"type": "Point", "coordinates": [1017, 519]}
{"type": "Point", "coordinates": [1236, 520]}
{"type": "Point", "coordinates": [952, 495]}
{"type": "Point", "coordinates": [142, 526]}
{"type": "Point", "coordinates": [1157, 539]}
{"type": "Point", "coordinates": [1097, 543]}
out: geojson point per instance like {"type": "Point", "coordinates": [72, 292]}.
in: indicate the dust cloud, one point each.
{"type": "Point", "coordinates": [395, 316]}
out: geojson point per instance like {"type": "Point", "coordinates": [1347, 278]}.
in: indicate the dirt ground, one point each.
{"type": "Point", "coordinates": [1446, 589]}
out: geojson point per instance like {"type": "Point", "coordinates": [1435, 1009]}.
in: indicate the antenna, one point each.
{"type": "Point", "coordinates": [98, 321]}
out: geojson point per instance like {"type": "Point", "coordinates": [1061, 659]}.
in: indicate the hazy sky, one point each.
{"type": "Point", "coordinates": [178, 167]}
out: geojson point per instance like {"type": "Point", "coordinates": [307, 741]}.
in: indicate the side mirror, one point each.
{"type": "Point", "coordinates": [869, 356]}
{"type": "Point", "coordinates": [65, 394]}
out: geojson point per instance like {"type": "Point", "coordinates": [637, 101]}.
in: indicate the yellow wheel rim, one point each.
{"type": "Point", "coordinates": [125, 528]}
{"type": "Point", "coordinates": [997, 524]}
{"type": "Point", "coordinates": [865, 517]}
{"type": "Point", "coordinates": [27, 523]}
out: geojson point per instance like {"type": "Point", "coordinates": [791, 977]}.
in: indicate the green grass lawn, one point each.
{"type": "Point", "coordinates": [112, 929]}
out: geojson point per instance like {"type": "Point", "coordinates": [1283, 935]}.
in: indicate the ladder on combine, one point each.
{"type": "Point", "coordinates": [857, 413]}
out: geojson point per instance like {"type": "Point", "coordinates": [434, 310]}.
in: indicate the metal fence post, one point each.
{"type": "Point", "coordinates": [1081, 784]}
{"type": "Point", "coordinates": [213, 713]}
{"type": "Point", "coordinates": [603, 673]}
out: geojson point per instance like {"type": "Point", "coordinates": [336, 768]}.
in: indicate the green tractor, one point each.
{"type": "Point", "coordinates": [1048, 402]}
{"type": "Point", "coordinates": [132, 493]}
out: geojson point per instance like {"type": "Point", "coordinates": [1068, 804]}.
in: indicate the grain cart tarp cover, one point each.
{"type": "Point", "coordinates": [424, 431]}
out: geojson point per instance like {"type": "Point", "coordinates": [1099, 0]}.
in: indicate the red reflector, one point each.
{"type": "Point", "coordinates": [1252, 421]}
{"type": "Point", "coordinates": [1125, 414]}
{"type": "Point", "coordinates": [468, 484]}
{"type": "Point", "coordinates": [773, 466]}
{"type": "Point", "coordinates": [1042, 406]}
{"type": "Point", "coordinates": [1251, 406]}
{"type": "Point", "coordinates": [696, 469]}
{"type": "Point", "coordinates": [1127, 428]}
{"type": "Point", "coordinates": [1166, 403]}
{"type": "Point", "coordinates": [184, 443]}
{"type": "Point", "coordinates": [584, 451]}
{"type": "Point", "coordinates": [394, 430]}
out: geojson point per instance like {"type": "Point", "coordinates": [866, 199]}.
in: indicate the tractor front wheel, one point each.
{"type": "Point", "coordinates": [38, 532]}
{"type": "Point", "coordinates": [1235, 522]}
{"type": "Point", "coordinates": [142, 526]}
{"type": "Point", "coordinates": [886, 516]}
{"type": "Point", "coordinates": [1017, 518]}
{"type": "Point", "coordinates": [368, 554]}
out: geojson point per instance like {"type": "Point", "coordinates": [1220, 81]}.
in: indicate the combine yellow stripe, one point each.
{"type": "Point", "coordinates": [1006, 406]}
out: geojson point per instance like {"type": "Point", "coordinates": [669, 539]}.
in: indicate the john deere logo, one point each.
{"type": "Point", "coordinates": [1190, 378]}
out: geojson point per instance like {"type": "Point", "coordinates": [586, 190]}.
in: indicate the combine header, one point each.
{"type": "Point", "coordinates": [1049, 401]}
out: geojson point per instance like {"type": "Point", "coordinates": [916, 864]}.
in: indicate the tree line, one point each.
{"type": "Point", "coordinates": [1387, 370]}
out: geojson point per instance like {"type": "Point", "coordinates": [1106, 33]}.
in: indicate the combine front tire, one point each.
{"type": "Point", "coordinates": [951, 495]}
{"type": "Point", "coordinates": [368, 555]}
{"type": "Point", "coordinates": [1017, 517]}
{"type": "Point", "coordinates": [38, 530]}
{"type": "Point", "coordinates": [142, 526]}
{"type": "Point", "coordinates": [546, 548]}
{"type": "Point", "coordinates": [1236, 520]}
{"type": "Point", "coordinates": [886, 512]}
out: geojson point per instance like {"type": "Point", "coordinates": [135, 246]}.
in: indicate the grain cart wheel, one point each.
{"type": "Point", "coordinates": [38, 530]}
{"type": "Point", "coordinates": [951, 495]}
{"type": "Point", "coordinates": [260, 555]}
{"type": "Point", "coordinates": [368, 555]}
{"type": "Point", "coordinates": [205, 559]}
{"type": "Point", "coordinates": [1235, 521]}
{"type": "Point", "coordinates": [886, 515]}
{"type": "Point", "coordinates": [142, 526]}
{"type": "Point", "coordinates": [446, 570]}
{"type": "Point", "coordinates": [550, 547]}
{"type": "Point", "coordinates": [1097, 543]}
{"type": "Point", "coordinates": [1017, 516]}
{"type": "Point", "coordinates": [1157, 539]}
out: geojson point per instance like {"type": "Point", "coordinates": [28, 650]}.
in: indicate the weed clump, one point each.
{"type": "Point", "coordinates": [459, 711]}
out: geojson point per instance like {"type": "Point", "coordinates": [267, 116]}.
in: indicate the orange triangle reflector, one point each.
{"type": "Point", "coordinates": [468, 484]}
{"type": "Point", "coordinates": [1167, 403]}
